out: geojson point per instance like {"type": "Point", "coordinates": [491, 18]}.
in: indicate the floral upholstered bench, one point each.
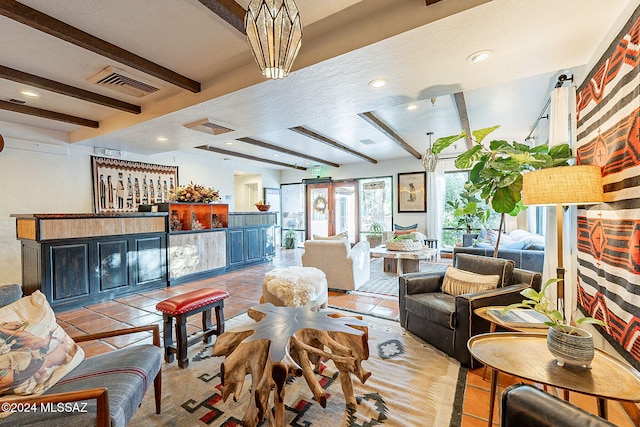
{"type": "Point", "coordinates": [183, 306]}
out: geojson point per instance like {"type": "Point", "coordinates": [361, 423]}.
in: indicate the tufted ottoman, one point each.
{"type": "Point", "coordinates": [183, 306]}
{"type": "Point", "coordinates": [295, 287]}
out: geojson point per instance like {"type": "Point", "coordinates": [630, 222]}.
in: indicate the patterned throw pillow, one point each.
{"type": "Point", "coordinates": [458, 282]}
{"type": "Point", "coordinates": [35, 352]}
{"type": "Point", "coordinates": [410, 228]}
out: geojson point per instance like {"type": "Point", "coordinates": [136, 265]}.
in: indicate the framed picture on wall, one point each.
{"type": "Point", "coordinates": [122, 185]}
{"type": "Point", "coordinates": [412, 195]}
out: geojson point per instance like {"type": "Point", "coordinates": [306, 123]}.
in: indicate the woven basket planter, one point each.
{"type": "Point", "coordinates": [404, 245]}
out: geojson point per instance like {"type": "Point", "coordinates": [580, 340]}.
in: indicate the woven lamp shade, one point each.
{"type": "Point", "coordinates": [565, 185]}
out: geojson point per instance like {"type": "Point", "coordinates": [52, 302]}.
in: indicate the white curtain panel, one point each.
{"type": "Point", "coordinates": [435, 202]}
{"type": "Point", "coordinates": [562, 130]}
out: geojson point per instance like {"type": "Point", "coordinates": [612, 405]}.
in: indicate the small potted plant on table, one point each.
{"type": "Point", "coordinates": [569, 344]}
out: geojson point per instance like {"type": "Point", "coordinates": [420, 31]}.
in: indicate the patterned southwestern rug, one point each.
{"type": "Point", "coordinates": [384, 283]}
{"type": "Point", "coordinates": [412, 384]}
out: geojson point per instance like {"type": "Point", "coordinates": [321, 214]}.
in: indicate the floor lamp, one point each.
{"type": "Point", "coordinates": [562, 186]}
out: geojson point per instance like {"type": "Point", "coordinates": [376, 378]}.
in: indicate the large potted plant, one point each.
{"type": "Point", "coordinates": [497, 168]}
{"type": "Point", "coordinates": [374, 234]}
{"type": "Point", "coordinates": [569, 344]}
{"type": "Point", "coordinates": [470, 212]}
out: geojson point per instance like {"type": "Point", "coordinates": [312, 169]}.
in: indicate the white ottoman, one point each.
{"type": "Point", "coordinates": [295, 287]}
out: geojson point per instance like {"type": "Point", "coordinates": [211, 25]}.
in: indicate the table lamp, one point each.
{"type": "Point", "coordinates": [562, 186]}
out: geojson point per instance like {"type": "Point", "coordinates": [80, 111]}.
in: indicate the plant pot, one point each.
{"type": "Point", "coordinates": [374, 240]}
{"type": "Point", "coordinates": [290, 242]}
{"type": "Point", "coordinates": [574, 349]}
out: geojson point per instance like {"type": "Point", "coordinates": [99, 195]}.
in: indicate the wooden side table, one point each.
{"type": "Point", "coordinates": [525, 355]}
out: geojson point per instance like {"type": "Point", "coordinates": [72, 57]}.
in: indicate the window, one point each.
{"type": "Point", "coordinates": [376, 204]}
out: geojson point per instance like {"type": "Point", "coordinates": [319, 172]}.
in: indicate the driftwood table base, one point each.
{"type": "Point", "coordinates": [289, 341]}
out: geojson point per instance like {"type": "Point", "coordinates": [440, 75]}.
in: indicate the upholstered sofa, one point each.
{"type": "Point", "coordinates": [526, 406]}
{"type": "Point", "coordinates": [346, 268]}
{"type": "Point", "coordinates": [525, 259]}
{"type": "Point", "coordinates": [111, 384]}
{"type": "Point", "coordinates": [447, 321]}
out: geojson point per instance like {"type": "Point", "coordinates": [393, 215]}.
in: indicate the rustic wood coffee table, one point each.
{"type": "Point", "coordinates": [288, 341]}
{"type": "Point", "coordinates": [525, 355]}
{"type": "Point", "coordinates": [401, 262]}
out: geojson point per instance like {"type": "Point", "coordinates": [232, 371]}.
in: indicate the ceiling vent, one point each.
{"type": "Point", "coordinates": [367, 141]}
{"type": "Point", "coordinates": [206, 126]}
{"type": "Point", "coordinates": [124, 82]}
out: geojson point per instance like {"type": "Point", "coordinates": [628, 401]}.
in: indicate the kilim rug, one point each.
{"type": "Point", "coordinates": [384, 283]}
{"type": "Point", "coordinates": [412, 384]}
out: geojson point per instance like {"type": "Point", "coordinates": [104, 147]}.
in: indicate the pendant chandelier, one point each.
{"type": "Point", "coordinates": [429, 158]}
{"type": "Point", "coordinates": [274, 34]}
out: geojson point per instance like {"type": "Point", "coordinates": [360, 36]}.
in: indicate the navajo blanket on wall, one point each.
{"type": "Point", "coordinates": [608, 113]}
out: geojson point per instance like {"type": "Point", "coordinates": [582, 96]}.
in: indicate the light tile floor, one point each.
{"type": "Point", "coordinates": [244, 287]}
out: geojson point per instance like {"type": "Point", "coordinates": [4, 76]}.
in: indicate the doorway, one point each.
{"type": "Point", "coordinates": [332, 208]}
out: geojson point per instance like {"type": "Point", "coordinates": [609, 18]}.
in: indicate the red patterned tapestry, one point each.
{"type": "Point", "coordinates": [608, 108]}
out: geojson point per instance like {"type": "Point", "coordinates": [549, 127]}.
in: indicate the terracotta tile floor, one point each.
{"type": "Point", "coordinates": [244, 287]}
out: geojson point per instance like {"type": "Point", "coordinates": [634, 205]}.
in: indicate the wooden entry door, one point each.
{"type": "Point", "coordinates": [332, 207]}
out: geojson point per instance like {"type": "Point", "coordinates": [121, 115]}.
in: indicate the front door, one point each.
{"type": "Point", "coordinates": [332, 208]}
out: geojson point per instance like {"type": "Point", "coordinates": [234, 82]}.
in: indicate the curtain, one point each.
{"type": "Point", "coordinates": [561, 130]}
{"type": "Point", "coordinates": [435, 202]}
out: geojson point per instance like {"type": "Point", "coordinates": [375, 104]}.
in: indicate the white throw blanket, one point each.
{"type": "Point", "coordinates": [296, 286]}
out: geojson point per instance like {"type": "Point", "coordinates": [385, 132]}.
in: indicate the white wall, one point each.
{"type": "Point", "coordinates": [248, 190]}
{"type": "Point", "coordinates": [44, 174]}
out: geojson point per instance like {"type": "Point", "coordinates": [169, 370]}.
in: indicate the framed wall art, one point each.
{"type": "Point", "coordinates": [122, 185]}
{"type": "Point", "coordinates": [412, 196]}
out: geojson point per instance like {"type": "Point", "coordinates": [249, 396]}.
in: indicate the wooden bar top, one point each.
{"type": "Point", "coordinates": [88, 215]}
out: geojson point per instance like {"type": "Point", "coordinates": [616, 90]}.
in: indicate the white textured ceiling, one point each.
{"type": "Point", "coordinates": [420, 50]}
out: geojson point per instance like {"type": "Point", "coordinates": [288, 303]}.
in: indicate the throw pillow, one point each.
{"type": "Point", "coordinates": [458, 282]}
{"type": "Point", "coordinates": [410, 228]}
{"type": "Point", "coordinates": [340, 236]}
{"type": "Point", "coordinates": [35, 352]}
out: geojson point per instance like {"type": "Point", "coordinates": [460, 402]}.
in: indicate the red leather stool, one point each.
{"type": "Point", "coordinates": [183, 306]}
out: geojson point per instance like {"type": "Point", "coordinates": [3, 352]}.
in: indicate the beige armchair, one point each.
{"type": "Point", "coordinates": [346, 268]}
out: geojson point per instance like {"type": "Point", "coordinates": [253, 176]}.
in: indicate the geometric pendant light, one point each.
{"type": "Point", "coordinates": [274, 34]}
{"type": "Point", "coordinates": [429, 158]}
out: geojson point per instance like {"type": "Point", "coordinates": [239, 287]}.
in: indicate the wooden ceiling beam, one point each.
{"type": "Point", "coordinates": [385, 129]}
{"type": "Point", "coordinates": [461, 106]}
{"type": "Point", "coordinates": [46, 114]}
{"type": "Point", "coordinates": [266, 145]}
{"type": "Point", "coordinates": [430, 2]}
{"type": "Point", "coordinates": [54, 27]}
{"type": "Point", "coordinates": [313, 135]}
{"type": "Point", "coordinates": [248, 157]}
{"type": "Point", "coordinates": [63, 89]}
{"type": "Point", "coordinates": [229, 11]}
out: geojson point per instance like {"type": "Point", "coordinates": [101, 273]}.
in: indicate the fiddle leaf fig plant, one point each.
{"type": "Point", "coordinates": [539, 302]}
{"type": "Point", "coordinates": [497, 167]}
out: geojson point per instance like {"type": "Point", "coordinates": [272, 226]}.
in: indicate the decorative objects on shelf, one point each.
{"type": "Point", "coordinates": [194, 193]}
{"type": "Point", "coordinates": [174, 221]}
{"type": "Point", "coordinates": [274, 35]}
{"type": "Point", "coordinates": [261, 206]}
{"type": "Point", "coordinates": [196, 216]}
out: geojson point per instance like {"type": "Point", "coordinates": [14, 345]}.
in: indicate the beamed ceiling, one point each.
{"type": "Point", "coordinates": [202, 91]}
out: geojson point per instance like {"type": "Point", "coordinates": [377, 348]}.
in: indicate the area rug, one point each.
{"type": "Point", "coordinates": [384, 283]}
{"type": "Point", "coordinates": [412, 384]}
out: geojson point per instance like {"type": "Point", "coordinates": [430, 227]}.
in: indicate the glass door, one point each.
{"type": "Point", "coordinates": [332, 208]}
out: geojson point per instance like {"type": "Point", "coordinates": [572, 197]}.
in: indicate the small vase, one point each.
{"type": "Point", "coordinates": [574, 349]}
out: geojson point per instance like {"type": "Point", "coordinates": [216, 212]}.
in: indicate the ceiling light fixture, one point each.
{"type": "Point", "coordinates": [162, 139]}
{"type": "Point", "coordinates": [412, 107]}
{"type": "Point", "coordinates": [228, 143]}
{"type": "Point", "coordinates": [479, 56]}
{"type": "Point", "coordinates": [429, 158]}
{"type": "Point", "coordinates": [274, 34]}
{"type": "Point", "coordinates": [378, 83]}
{"type": "Point", "coordinates": [29, 93]}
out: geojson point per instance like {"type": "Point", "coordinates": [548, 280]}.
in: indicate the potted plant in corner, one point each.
{"type": "Point", "coordinates": [569, 344]}
{"type": "Point", "coordinates": [497, 168]}
{"type": "Point", "coordinates": [290, 239]}
{"type": "Point", "coordinates": [374, 234]}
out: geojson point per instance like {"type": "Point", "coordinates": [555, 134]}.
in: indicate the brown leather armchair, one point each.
{"type": "Point", "coordinates": [446, 321]}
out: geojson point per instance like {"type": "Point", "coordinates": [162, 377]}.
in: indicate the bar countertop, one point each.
{"type": "Point", "coordinates": [89, 215]}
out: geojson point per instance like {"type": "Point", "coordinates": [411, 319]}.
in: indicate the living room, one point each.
{"type": "Point", "coordinates": [46, 165]}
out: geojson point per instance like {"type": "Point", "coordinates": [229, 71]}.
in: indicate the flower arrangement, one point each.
{"type": "Point", "coordinates": [194, 193]}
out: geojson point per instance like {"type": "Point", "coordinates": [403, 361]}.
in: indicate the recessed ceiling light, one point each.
{"type": "Point", "coordinates": [29, 93]}
{"type": "Point", "coordinates": [276, 155]}
{"type": "Point", "coordinates": [479, 56]}
{"type": "Point", "coordinates": [307, 163]}
{"type": "Point", "coordinates": [412, 107]}
{"type": "Point", "coordinates": [378, 83]}
{"type": "Point", "coordinates": [162, 139]}
{"type": "Point", "coordinates": [228, 143]}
